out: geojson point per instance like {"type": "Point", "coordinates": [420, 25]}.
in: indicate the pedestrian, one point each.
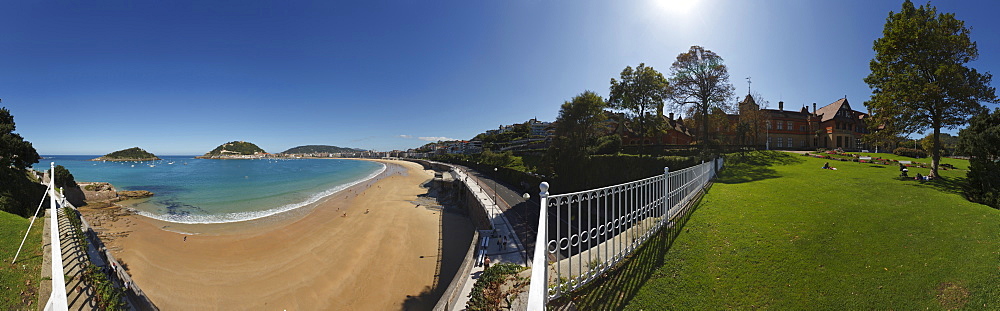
{"type": "Point", "coordinates": [486, 263]}
{"type": "Point", "coordinates": [185, 238]}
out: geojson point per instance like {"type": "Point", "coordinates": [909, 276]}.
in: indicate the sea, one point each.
{"type": "Point", "coordinates": [202, 191]}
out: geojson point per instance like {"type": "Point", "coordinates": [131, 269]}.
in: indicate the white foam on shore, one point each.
{"type": "Point", "coordinates": [245, 216]}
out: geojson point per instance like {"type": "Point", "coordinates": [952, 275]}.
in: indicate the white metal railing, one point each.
{"type": "Point", "coordinates": [595, 229]}
{"type": "Point", "coordinates": [57, 300]}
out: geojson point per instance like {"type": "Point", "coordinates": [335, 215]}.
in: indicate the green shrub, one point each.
{"type": "Point", "coordinates": [487, 293]}
{"type": "Point", "coordinates": [909, 152]}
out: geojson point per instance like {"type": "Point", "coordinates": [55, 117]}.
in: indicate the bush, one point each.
{"type": "Point", "coordinates": [909, 152]}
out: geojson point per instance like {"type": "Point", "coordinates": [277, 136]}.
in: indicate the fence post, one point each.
{"type": "Point", "coordinates": [666, 194]}
{"type": "Point", "coordinates": [538, 292]}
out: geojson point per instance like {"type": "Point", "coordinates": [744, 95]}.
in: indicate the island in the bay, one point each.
{"type": "Point", "coordinates": [130, 154]}
{"type": "Point", "coordinates": [235, 150]}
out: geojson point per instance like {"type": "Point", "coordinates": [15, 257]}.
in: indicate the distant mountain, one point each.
{"type": "Point", "coordinates": [234, 149]}
{"type": "Point", "coordinates": [319, 149]}
{"type": "Point", "coordinates": [130, 154]}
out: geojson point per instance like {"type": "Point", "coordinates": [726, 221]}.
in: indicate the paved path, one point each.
{"type": "Point", "coordinates": [511, 252]}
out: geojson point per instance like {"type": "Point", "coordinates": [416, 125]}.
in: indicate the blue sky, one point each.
{"type": "Point", "coordinates": [180, 77]}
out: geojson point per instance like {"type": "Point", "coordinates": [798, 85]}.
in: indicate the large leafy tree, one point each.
{"type": "Point", "coordinates": [700, 79]}
{"type": "Point", "coordinates": [578, 128]}
{"type": "Point", "coordinates": [919, 78]}
{"type": "Point", "coordinates": [642, 92]}
{"type": "Point", "coordinates": [17, 193]}
{"type": "Point", "coordinates": [981, 141]}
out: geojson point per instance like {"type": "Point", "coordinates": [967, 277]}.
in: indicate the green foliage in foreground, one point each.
{"type": "Point", "coordinates": [488, 292]}
{"type": "Point", "coordinates": [131, 153]}
{"type": "Point", "coordinates": [19, 281]}
{"type": "Point", "coordinates": [778, 232]}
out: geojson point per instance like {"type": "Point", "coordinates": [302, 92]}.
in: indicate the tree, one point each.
{"type": "Point", "coordinates": [578, 128]}
{"type": "Point", "coordinates": [948, 143]}
{"type": "Point", "coordinates": [64, 179]}
{"type": "Point", "coordinates": [640, 91]}
{"type": "Point", "coordinates": [752, 126]}
{"type": "Point", "coordinates": [919, 79]}
{"type": "Point", "coordinates": [981, 141]}
{"type": "Point", "coordinates": [699, 78]}
{"type": "Point", "coordinates": [18, 194]}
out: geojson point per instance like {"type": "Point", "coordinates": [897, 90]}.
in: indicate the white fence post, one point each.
{"type": "Point", "coordinates": [538, 292]}
{"type": "Point", "coordinates": [57, 301]}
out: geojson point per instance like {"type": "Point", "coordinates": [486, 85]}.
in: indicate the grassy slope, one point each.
{"type": "Point", "coordinates": [783, 233]}
{"type": "Point", "coordinates": [19, 281]}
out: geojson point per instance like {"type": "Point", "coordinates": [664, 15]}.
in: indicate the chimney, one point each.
{"type": "Point", "coordinates": [781, 105]}
{"type": "Point", "coordinates": [814, 108]}
{"type": "Point", "coordinates": [671, 117]}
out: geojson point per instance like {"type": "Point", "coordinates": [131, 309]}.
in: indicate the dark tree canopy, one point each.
{"type": "Point", "coordinates": [919, 78]}
{"type": "Point", "coordinates": [18, 194]}
{"type": "Point", "coordinates": [981, 141]}
{"type": "Point", "coordinates": [700, 79]}
{"type": "Point", "coordinates": [64, 179]}
{"type": "Point", "coordinates": [578, 128]}
{"type": "Point", "coordinates": [14, 150]}
{"type": "Point", "coordinates": [641, 92]}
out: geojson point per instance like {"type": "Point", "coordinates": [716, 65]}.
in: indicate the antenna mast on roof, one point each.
{"type": "Point", "coordinates": [748, 85]}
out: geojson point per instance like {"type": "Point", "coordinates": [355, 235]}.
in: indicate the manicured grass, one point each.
{"type": "Point", "coordinates": [778, 232]}
{"type": "Point", "coordinates": [19, 281]}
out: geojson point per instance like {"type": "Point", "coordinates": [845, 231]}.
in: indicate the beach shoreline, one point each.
{"type": "Point", "coordinates": [369, 246]}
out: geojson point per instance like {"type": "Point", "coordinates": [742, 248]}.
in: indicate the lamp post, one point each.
{"type": "Point", "coordinates": [495, 188]}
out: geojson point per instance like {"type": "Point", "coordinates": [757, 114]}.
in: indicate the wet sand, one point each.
{"type": "Point", "coordinates": [316, 260]}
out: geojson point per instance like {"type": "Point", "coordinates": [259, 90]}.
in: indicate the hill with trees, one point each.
{"type": "Point", "coordinates": [234, 149]}
{"type": "Point", "coordinates": [319, 149]}
{"type": "Point", "coordinates": [130, 154]}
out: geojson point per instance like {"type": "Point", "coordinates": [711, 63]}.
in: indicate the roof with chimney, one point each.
{"type": "Point", "coordinates": [830, 111]}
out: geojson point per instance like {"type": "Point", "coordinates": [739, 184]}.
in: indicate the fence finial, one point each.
{"type": "Point", "coordinates": [544, 187]}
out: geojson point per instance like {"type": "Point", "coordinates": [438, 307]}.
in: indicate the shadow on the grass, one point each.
{"type": "Point", "coordinates": [944, 184]}
{"type": "Point", "coordinates": [755, 165]}
{"type": "Point", "coordinates": [620, 284]}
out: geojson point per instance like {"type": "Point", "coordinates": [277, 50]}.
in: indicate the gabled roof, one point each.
{"type": "Point", "coordinates": [828, 112]}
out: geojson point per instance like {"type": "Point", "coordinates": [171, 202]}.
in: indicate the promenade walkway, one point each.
{"type": "Point", "coordinates": [511, 252]}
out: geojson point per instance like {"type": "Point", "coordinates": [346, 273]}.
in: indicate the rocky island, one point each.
{"type": "Point", "coordinates": [235, 150]}
{"type": "Point", "coordinates": [130, 154]}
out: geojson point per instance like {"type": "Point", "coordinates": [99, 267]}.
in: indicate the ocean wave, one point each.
{"type": "Point", "coordinates": [245, 216]}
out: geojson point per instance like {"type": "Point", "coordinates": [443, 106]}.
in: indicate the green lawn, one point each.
{"type": "Point", "coordinates": [778, 232]}
{"type": "Point", "coordinates": [19, 281]}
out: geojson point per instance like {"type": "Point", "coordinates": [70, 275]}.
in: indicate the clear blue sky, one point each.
{"type": "Point", "coordinates": [173, 77]}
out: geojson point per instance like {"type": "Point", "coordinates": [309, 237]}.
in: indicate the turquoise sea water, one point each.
{"type": "Point", "coordinates": [189, 190]}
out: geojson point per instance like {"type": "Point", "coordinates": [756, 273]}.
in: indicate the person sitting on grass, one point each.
{"type": "Point", "coordinates": [827, 166]}
{"type": "Point", "coordinates": [919, 178]}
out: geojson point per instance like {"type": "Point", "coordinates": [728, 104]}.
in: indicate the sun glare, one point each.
{"type": "Point", "coordinates": [675, 8]}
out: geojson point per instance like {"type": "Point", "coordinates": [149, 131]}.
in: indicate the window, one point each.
{"type": "Point", "coordinates": [802, 128]}
{"type": "Point", "coordinates": [769, 141]}
{"type": "Point", "coordinates": [781, 141]}
{"type": "Point", "coordinates": [769, 124]}
{"type": "Point", "coordinates": [781, 125]}
{"type": "Point", "coordinates": [790, 126]}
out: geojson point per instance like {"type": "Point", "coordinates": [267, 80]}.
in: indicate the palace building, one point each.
{"type": "Point", "coordinates": [836, 125]}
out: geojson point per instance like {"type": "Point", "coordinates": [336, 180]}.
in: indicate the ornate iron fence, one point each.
{"type": "Point", "coordinates": [595, 229]}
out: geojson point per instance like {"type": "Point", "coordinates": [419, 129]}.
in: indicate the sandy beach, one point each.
{"type": "Point", "coordinates": [384, 255]}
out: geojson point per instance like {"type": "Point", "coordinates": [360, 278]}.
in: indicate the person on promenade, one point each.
{"type": "Point", "coordinates": [486, 263]}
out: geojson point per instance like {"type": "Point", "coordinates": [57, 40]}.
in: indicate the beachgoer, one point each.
{"type": "Point", "coordinates": [826, 165]}
{"type": "Point", "coordinates": [486, 263]}
{"type": "Point", "coordinates": [185, 238]}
